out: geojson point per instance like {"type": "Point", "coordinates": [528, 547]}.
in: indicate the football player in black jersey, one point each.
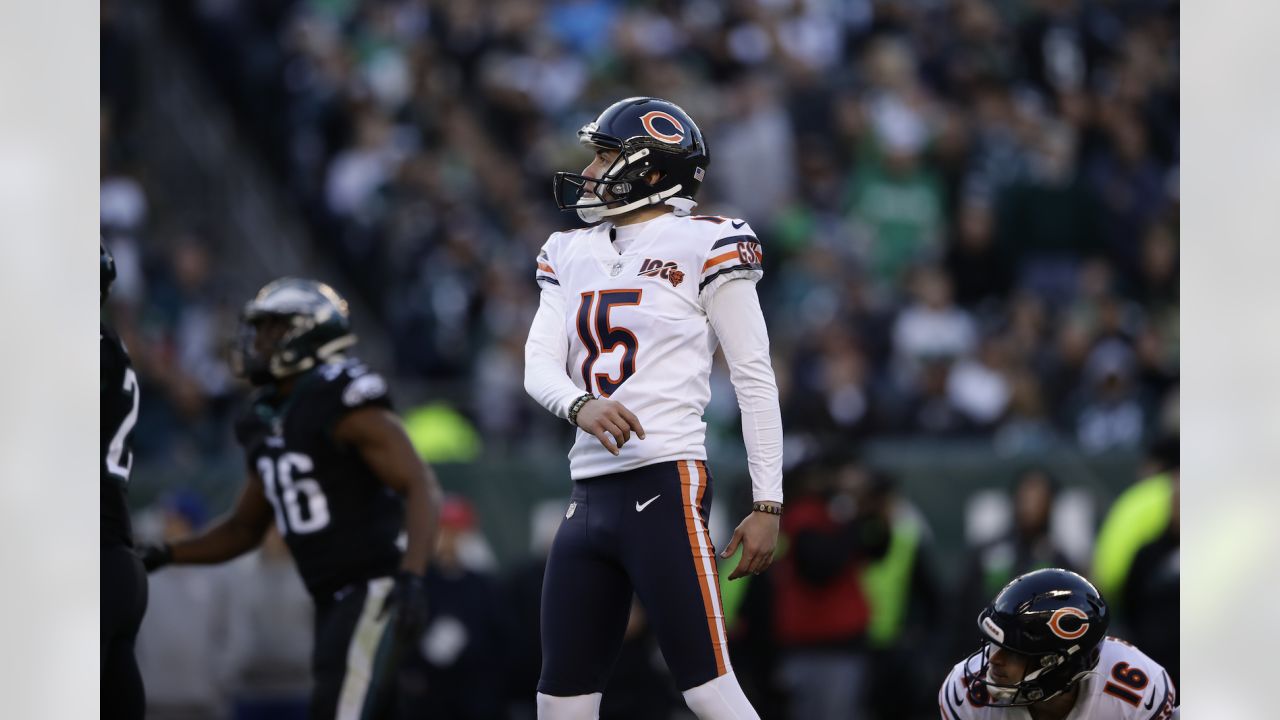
{"type": "Point", "coordinates": [124, 584]}
{"type": "Point", "coordinates": [331, 464]}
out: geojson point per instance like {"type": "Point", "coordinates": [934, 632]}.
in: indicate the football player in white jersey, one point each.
{"type": "Point", "coordinates": [1046, 655]}
{"type": "Point", "coordinates": [631, 311]}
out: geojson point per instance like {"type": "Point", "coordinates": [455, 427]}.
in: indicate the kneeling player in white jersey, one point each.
{"type": "Point", "coordinates": [1046, 656]}
{"type": "Point", "coordinates": [630, 314]}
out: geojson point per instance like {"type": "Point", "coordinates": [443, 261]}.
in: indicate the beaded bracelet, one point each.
{"type": "Point", "coordinates": [769, 509]}
{"type": "Point", "coordinates": [577, 406]}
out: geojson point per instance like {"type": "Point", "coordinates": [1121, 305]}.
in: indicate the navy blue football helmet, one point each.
{"type": "Point", "coordinates": [649, 134]}
{"type": "Point", "coordinates": [1053, 617]}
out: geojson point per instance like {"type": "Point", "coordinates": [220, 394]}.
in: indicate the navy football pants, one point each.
{"type": "Point", "coordinates": [641, 531]}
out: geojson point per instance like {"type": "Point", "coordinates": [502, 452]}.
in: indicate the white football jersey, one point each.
{"type": "Point", "coordinates": [637, 329]}
{"type": "Point", "coordinates": [1125, 685]}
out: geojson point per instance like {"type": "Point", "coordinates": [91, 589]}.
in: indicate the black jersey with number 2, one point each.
{"type": "Point", "coordinates": [340, 522]}
{"type": "Point", "coordinates": [119, 413]}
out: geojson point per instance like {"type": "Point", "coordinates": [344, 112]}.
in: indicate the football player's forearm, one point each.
{"type": "Point", "coordinates": [421, 519]}
{"type": "Point", "coordinates": [736, 317]}
{"type": "Point", "coordinates": [227, 539]}
{"type": "Point", "coordinates": [762, 436]}
{"type": "Point", "coordinates": [545, 354]}
{"type": "Point", "coordinates": [550, 386]}
{"type": "Point", "coordinates": [380, 438]}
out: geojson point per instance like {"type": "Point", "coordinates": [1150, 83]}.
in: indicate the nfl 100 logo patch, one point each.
{"type": "Point", "coordinates": [666, 270]}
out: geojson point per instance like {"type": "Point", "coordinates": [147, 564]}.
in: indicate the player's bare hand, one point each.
{"type": "Point", "coordinates": [758, 536]}
{"type": "Point", "coordinates": [610, 422]}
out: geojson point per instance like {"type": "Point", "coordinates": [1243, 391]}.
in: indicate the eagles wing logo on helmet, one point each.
{"type": "Point", "coordinates": [313, 325]}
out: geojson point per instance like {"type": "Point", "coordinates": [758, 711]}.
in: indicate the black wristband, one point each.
{"type": "Point", "coordinates": [768, 509]}
{"type": "Point", "coordinates": [576, 407]}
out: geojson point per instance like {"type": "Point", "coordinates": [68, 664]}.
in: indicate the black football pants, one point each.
{"type": "Point", "coordinates": [123, 603]}
{"type": "Point", "coordinates": [356, 658]}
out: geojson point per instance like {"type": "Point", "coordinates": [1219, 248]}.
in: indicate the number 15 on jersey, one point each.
{"type": "Point", "coordinates": [599, 337]}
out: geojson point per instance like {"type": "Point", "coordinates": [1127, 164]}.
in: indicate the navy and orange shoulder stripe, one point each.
{"type": "Point", "coordinates": [545, 273]}
{"type": "Point", "coordinates": [737, 252]}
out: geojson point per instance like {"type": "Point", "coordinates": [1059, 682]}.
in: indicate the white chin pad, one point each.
{"type": "Point", "coordinates": [590, 215]}
{"type": "Point", "coordinates": [997, 692]}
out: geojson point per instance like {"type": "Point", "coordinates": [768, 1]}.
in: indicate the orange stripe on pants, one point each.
{"type": "Point", "coordinates": [693, 485]}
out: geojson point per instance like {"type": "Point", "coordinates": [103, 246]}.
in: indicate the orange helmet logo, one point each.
{"type": "Point", "coordinates": [1055, 623]}
{"type": "Point", "coordinates": [648, 118]}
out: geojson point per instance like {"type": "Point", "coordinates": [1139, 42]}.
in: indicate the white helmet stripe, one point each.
{"type": "Point", "coordinates": [633, 157]}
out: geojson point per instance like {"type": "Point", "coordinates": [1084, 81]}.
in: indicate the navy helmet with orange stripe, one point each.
{"type": "Point", "coordinates": [1053, 619]}
{"type": "Point", "coordinates": [648, 134]}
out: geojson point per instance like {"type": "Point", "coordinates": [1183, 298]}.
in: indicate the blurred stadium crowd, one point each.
{"type": "Point", "coordinates": [970, 209]}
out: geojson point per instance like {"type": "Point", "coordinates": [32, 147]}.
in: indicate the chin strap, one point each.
{"type": "Point", "coordinates": [596, 214]}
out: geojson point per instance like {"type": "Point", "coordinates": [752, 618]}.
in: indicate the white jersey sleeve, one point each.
{"type": "Point", "coordinates": [546, 350]}
{"type": "Point", "coordinates": [545, 273]}
{"type": "Point", "coordinates": [734, 252]}
{"type": "Point", "coordinates": [738, 322]}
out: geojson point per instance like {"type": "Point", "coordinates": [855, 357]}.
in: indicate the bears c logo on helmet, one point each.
{"type": "Point", "coordinates": [1056, 624]}
{"type": "Point", "coordinates": [648, 118]}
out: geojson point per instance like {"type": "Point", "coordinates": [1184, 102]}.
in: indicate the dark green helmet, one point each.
{"type": "Point", "coordinates": [289, 327]}
{"type": "Point", "coordinates": [107, 266]}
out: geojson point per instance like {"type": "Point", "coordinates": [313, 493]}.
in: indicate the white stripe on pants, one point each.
{"type": "Point", "coordinates": [363, 650]}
